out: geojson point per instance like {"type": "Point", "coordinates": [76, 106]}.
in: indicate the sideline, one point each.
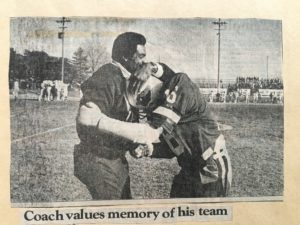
{"type": "Point", "coordinates": [41, 133]}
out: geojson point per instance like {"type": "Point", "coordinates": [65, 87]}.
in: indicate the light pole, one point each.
{"type": "Point", "coordinates": [61, 35]}
{"type": "Point", "coordinates": [267, 67]}
{"type": "Point", "coordinates": [219, 23]}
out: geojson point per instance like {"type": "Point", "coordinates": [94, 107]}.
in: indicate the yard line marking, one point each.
{"type": "Point", "coordinates": [17, 112]}
{"type": "Point", "coordinates": [47, 131]}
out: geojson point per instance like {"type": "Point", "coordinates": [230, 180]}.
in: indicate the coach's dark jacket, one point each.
{"type": "Point", "coordinates": [99, 159]}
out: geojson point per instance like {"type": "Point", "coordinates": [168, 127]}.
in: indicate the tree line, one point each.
{"type": "Point", "coordinates": [36, 66]}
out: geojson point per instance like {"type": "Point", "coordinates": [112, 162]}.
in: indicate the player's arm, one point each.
{"type": "Point", "coordinates": [163, 72]}
{"type": "Point", "coordinates": [162, 150]}
{"type": "Point", "coordinates": [155, 150]}
{"type": "Point", "coordinates": [158, 70]}
{"type": "Point", "coordinates": [179, 99]}
{"type": "Point", "coordinates": [180, 102]}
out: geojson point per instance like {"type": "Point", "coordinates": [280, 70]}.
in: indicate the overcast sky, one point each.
{"type": "Point", "coordinates": [187, 45]}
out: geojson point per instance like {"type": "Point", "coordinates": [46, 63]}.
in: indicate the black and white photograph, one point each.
{"type": "Point", "coordinates": [111, 110]}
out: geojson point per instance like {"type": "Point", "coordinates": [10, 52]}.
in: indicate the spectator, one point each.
{"type": "Point", "coordinates": [16, 89]}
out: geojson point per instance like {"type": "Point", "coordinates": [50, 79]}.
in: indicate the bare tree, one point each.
{"type": "Point", "coordinates": [96, 53]}
{"type": "Point", "coordinates": [80, 66]}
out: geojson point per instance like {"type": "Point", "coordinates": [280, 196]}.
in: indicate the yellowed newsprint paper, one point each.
{"type": "Point", "coordinates": [149, 112]}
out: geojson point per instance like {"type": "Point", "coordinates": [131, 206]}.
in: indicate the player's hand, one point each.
{"type": "Point", "coordinates": [139, 152]}
{"type": "Point", "coordinates": [89, 114]}
{"type": "Point", "coordinates": [142, 151]}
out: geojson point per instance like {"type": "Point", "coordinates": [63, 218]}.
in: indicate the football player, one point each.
{"type": "Point", "coordinates": [190, 131]}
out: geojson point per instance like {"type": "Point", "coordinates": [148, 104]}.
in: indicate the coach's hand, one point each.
{"type": "Point", "coordinates": [89, 114]}
{"type": "Point", "coordinates": [145, 134]}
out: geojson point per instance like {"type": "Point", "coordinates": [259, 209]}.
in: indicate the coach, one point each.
{"type": "Point", "coordinates": [107, 131]}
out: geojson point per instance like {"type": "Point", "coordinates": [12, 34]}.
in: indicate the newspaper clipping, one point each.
{"type": "Point", "coordinates": [129, 111]}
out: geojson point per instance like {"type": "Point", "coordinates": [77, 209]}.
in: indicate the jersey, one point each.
{"type": "Point", "coordinates": [204, 157]}
{"type": "Point", "coordinates": [188, 105]}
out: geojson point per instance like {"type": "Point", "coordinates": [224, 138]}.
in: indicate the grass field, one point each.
{"type": "Point", "coordinates": [43, 135]}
